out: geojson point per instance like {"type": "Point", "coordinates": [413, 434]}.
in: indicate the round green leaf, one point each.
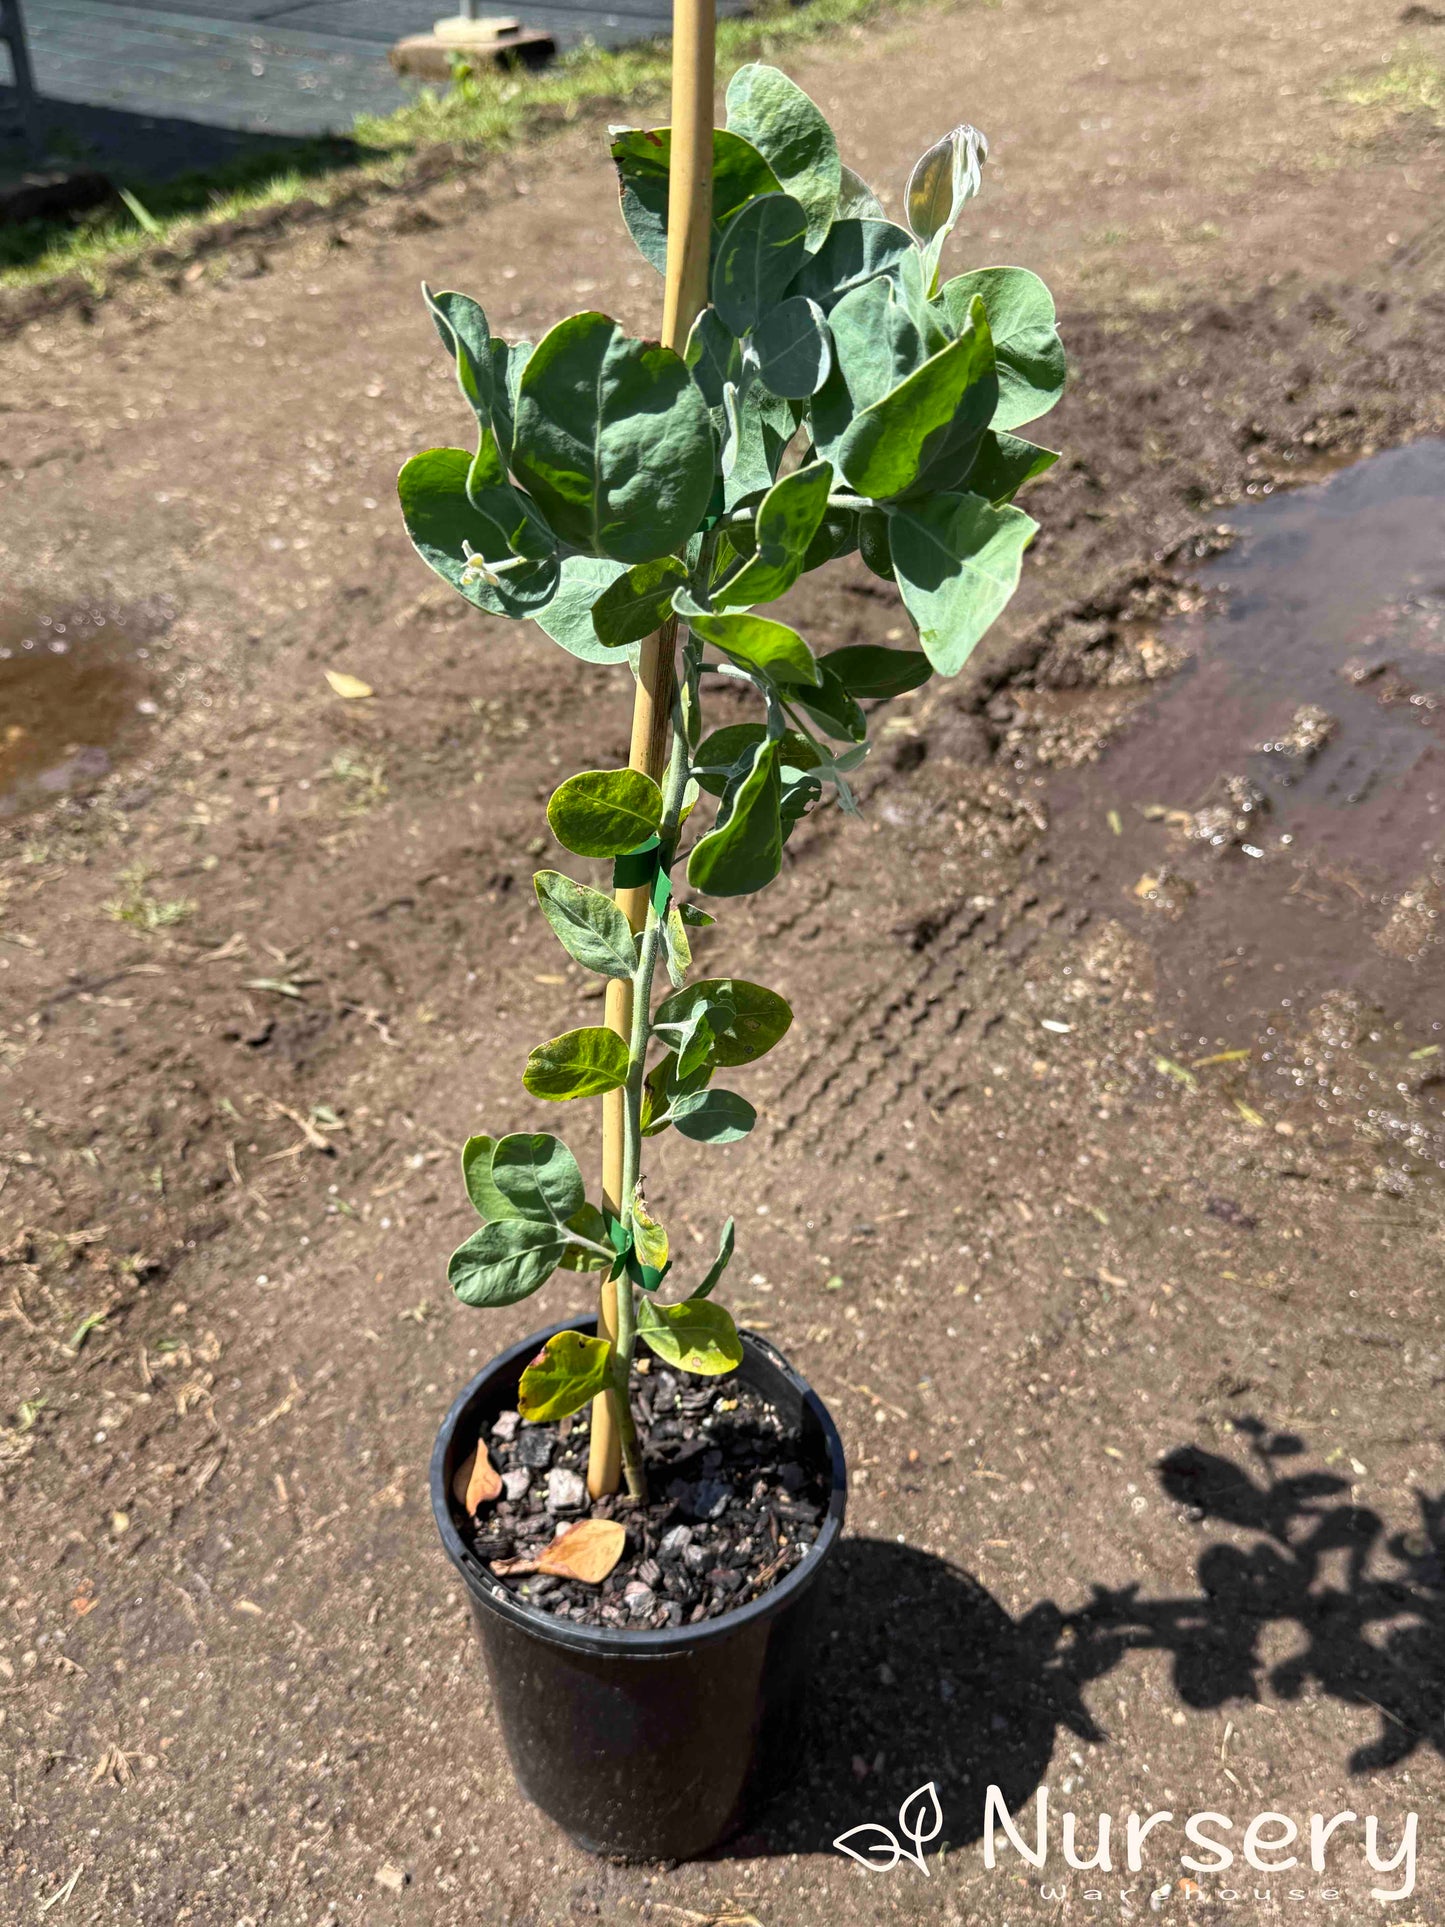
{"type": "Point", "coordinates": [580, 1063]}
{"type": "Point", "coordinates": [503, 1262]}
{"type": "Point", "coordinates": [867, 671]}
{"type": "Point", "coordinates": [935, 418]}
{"type": "Point", "coordinates": [761, 250]}
{"type": "Point", "coordinates": [477, 1175]}
{"type": "Point", "coordinates": [746, 1019]}
{"type": "Point", "coordinates": [855, 252]}
{"type": "Point", "coordinates": [713, 1116]}
{"type": "Point", "coordinates": [589, 926]}
{"type": "Point", "coordinates": [1031, 364]}
{"type": "Point", "coordinates": [538, 1176]}
{"type": "Point", "coordinates": [743, 852]}
{"type": "Point", "coordinates": [637, 603]}
{"type": "Point", "coordinates": [793, 348]}
{"type": "Point", "coordinates": [613, 439]}
{"type": "Point", "coordinates": [567, 619]}
{"type": "Point", "coordinates": [1004, 463]}
{"type": "Point", "coordinates": [774, 113]}
{"type": "Point", "coordinates": [444, 523]}
{"type": "Point", "coordinates": [957, 560]}
{"type": "Point", "coordinates": [643, 157]}
{"type": "Point", "coordinates": [569, 1370]}
{"type": "Point", "coordinates": [788, 518]}
{"type": "Point", "coordinates": [695, 1336]}
{"type": "Point", "coordinates": [757, 642]}
{"type": "Point", "coordinates": [604, 812]}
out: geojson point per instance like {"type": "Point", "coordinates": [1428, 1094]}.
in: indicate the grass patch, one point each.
{"type": "Point", "coordinates": [1411, 84]}
{"type": "Point", "coordinates": [137, 907]}
{"type": "Point", "coordinates": [480, 113]}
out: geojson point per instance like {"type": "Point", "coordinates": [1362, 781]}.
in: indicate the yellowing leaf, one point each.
{"type": "Point", "coordinates": [650, 1236]}
{"type": "Point", "coordinates": [587, 1552]}
{"type": "Point", "coordinates": [351, 688]}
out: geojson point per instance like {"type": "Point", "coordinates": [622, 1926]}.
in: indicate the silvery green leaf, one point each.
{"type": "Point", "coordinates": [761, 250]}
{"type": "Point", "coordinates": [467, 339]}
{"type": "Point", "coordinates": [538, 1176]}
{"type": "Point", "coordinates": [746, 1019]}
{"type": "Point", "coordinates": [637, 603]}
{"type": "Point", "coordinates": [793, 349]}
{"type": "Point", "coordinates": [743, 852]}
{"type": "Point", "coordinates": [448, 531]}
{"type": "Point", "coordinates": [713, 356]}
{"type": "Point", "coordinates": [759, 429]}
{"type": "Point", "coordinates": [957, 561]}
{"type": "Point", "coordinates": [1003, 464]}
{"type": "Point", "coordinates": [875, 674]}
{"type": "Point", "coordinates": [719, 1264]}
{"type": "Point", "coordinates": [777, 117]}
{"type": "Point", "coordinates": [613, 440]}
{"type": "Point", "coordinates": [856, 200]}
{"type": "Point", "coordinates": [567, 619]}
{"type": "Point", "coordinates": [927, 426]}
{"type": "Point", "coordinates": [757, 643]}
{"type": "Point", "coordinates": [505, 1261]}
{"type": "Point", "coordinates": [1031, 364]}
{"type": "Point", "coordinates": [643, 156]}
{"type": "Point", "coordinates": [588, 925]}
{"type": "Point", "coordinates": [787, 520]}
{"type": "Point", "coordinates": [676, 944]}
{"type": "Point", "coordinates": [854, 252]}
{"type": "Point", "coordinates": [477, 1176]}
{"type": "Point", "coordinates": [713, 1116]}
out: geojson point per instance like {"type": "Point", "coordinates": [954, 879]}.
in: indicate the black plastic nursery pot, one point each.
{"type": "Point", "coordinates": [656, 1744]}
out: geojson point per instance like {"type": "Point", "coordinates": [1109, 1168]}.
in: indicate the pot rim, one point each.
{"type": "Point", "coordinates": [666, 1642]}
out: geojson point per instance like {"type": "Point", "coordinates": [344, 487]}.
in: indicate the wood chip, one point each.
{"type": "Point", "coordinates": [350, 688]}
{"type": "Point", "coordinates": [476, 1481]}
{"type": "Point", "coordinates": [588, 1551]}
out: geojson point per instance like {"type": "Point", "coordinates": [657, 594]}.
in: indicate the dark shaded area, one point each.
{"type": "Point", "coordinates": [150, 149]}
{"type": "Point", "coordinates": [172, 167]}
{"type": "Point", "coordinates": [926, 1677]}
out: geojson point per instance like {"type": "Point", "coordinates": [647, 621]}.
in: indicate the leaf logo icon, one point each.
{"type": "Point", "coordinates": [879, 1849]}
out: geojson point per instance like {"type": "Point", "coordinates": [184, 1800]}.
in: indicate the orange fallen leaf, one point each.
{"type": "Point", "coordinates": [587, 1551]}
{"type": "Point", "coordinates": [476, 1481]}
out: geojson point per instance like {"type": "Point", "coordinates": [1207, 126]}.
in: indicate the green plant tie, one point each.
{"type": "Point", "coordinates": [645, 1277]}
{"type": "Point", "coordinates": [637, 867]}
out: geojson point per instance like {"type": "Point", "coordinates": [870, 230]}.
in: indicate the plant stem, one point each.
{"type": "Point", "coordinates": [648, 950]}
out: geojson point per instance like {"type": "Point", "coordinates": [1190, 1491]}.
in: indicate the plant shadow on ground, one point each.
{"type": "Point", "coordinates": [926, 1669]}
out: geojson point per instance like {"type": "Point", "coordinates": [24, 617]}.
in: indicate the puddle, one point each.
{"type": "Point", "coordinates": [1272, 817]}
{"type": "Point", "coordinates": [78, 693]}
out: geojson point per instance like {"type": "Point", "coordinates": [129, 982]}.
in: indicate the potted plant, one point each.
{"type": "Point", "coordinates": [821, 389]}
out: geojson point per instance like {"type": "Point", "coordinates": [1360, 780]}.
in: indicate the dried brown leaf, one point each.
{"type": "Point", "coordinates": [476, 1481]}
{"type": "Point", "coordinates": [588, 1551]}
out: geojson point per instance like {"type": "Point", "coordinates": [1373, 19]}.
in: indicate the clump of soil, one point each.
{"type": "Point", "coordinates": [732, 1506]}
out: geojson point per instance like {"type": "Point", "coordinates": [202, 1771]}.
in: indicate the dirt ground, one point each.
{"type": "Point", "coordinates": [1135, 1342]}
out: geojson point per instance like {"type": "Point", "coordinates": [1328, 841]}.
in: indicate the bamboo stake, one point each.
{"type": "Point", "coordinates": [689, 226]}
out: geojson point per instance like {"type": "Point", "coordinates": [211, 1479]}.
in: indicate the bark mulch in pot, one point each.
{"type": "Point", "coordinates": [732, 1506]}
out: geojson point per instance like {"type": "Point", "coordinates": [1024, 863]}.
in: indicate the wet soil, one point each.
{"type": "Point", "coordinates": [731, 1506]}
{"type": "Point", "coordinates": [1277, 807]}
{"type": "Point", "coordinates": [1137, 1357]}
